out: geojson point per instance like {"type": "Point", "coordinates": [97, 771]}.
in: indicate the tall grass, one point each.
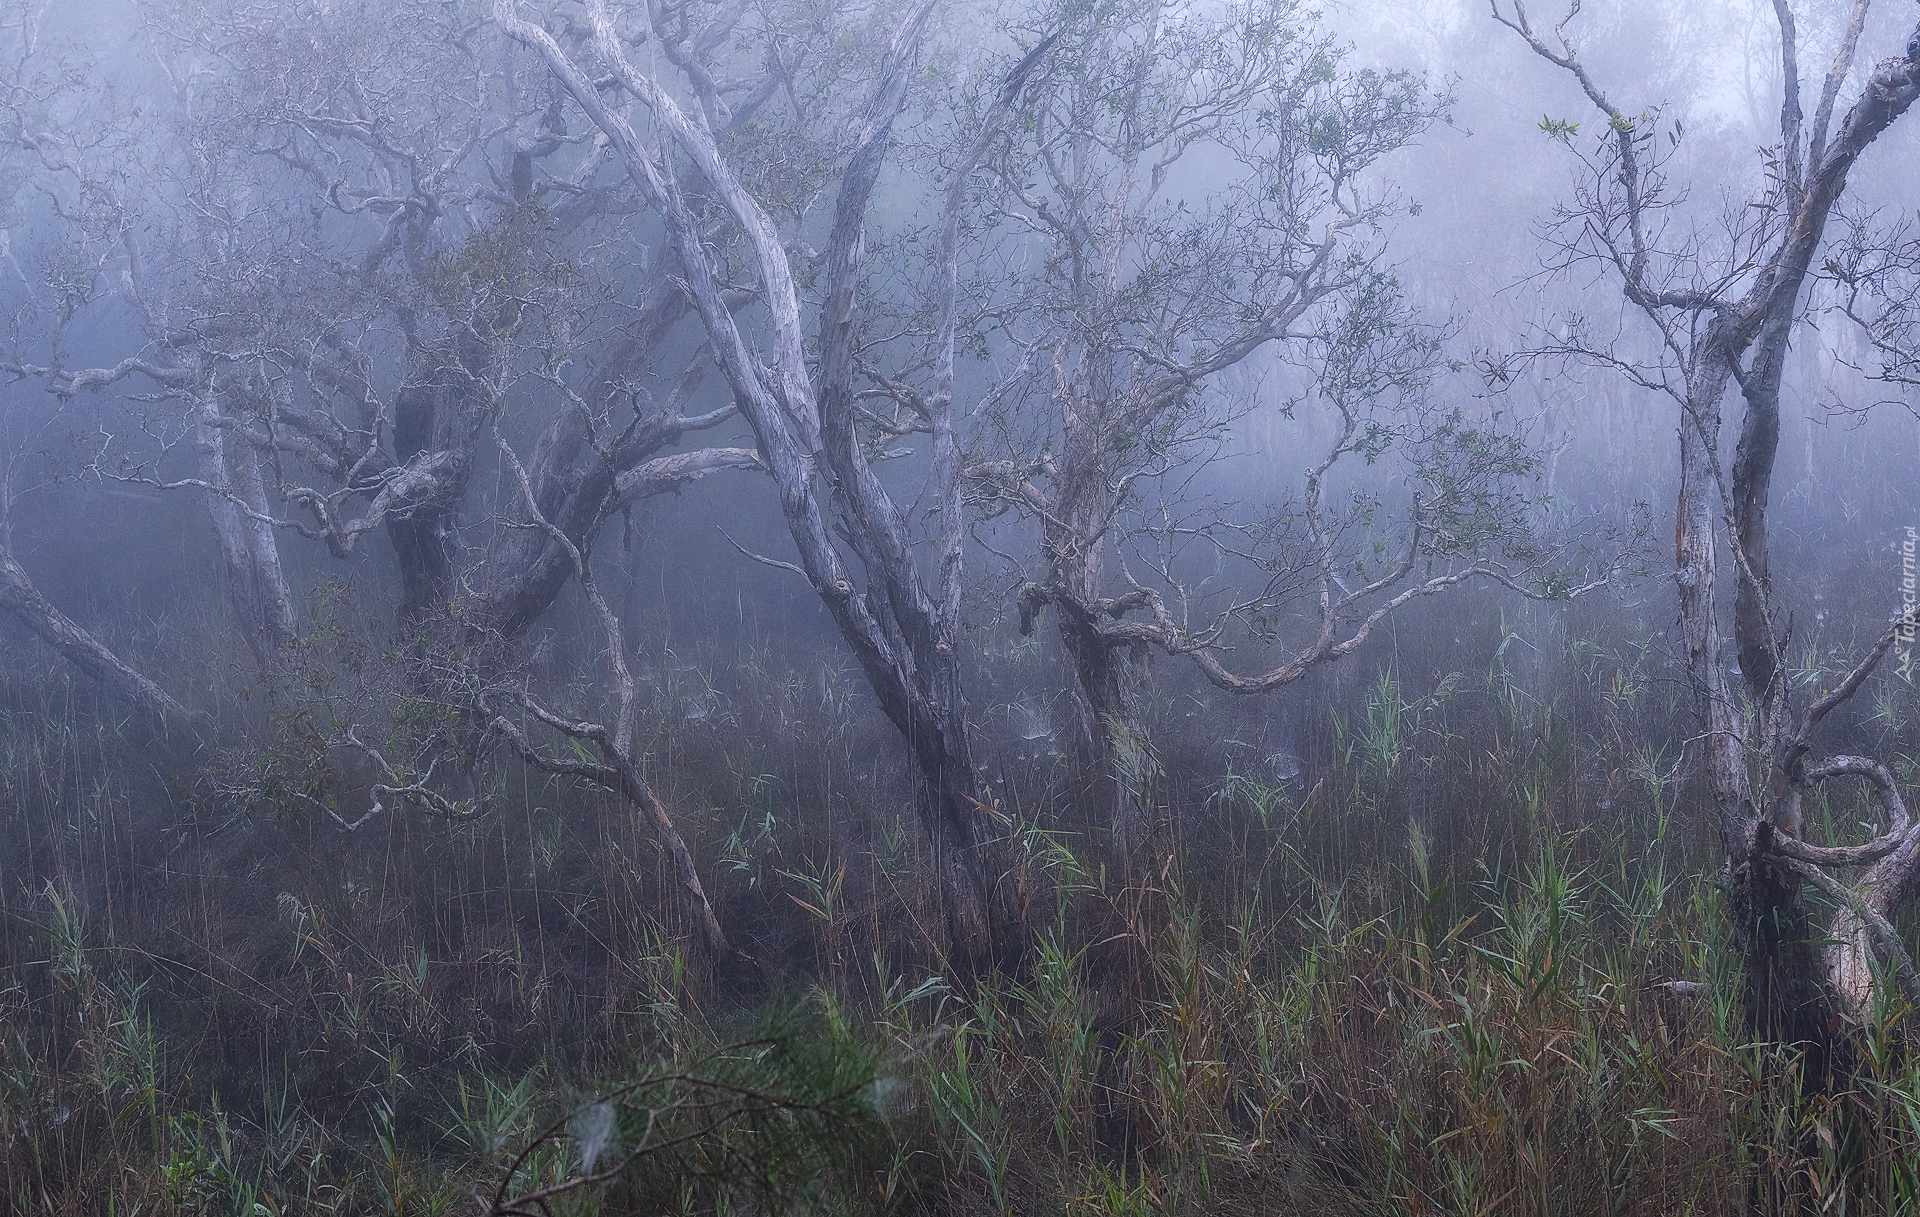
{"type": "Point", "coordinates": [1418, 942]}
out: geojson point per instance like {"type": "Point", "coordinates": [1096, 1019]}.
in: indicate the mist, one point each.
{"type": "Point", "coordinates": [1103, 606]}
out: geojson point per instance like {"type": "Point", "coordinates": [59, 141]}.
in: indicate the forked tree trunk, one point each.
{"type": "Point", "coordinates": [1801, 990]}
{"type": "Point", "coordinates": [1789, 999]}
{"type": "Point", "coordinates": [571, 481]}
{"type": "Point", "coordinates": [436, 411]}
{"type": "Point", "coordinates": [977, 905]}
{"type": "Point", "coordinates": [256, 583]}
{"type": "Point", "coordinates": [805, 423]}
{"type": "Point", "coordinates": [1121, 760]}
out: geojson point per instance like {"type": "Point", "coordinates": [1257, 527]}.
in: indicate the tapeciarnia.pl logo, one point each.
{"type": "Point", "coordinates": [1909, 602]}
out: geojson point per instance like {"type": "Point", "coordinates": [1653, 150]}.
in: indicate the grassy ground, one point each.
{"type": "Point", "coordinates": [1406, 945]}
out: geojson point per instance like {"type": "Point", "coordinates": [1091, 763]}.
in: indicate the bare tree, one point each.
{"type": "Point", "coordinates": [86, 172]}
{"type": "Point", "coordinates": [26, 143]}
{"type": "Point", "coordinates": [329, 253]}
{"type": "Point", "coordinates": [1871, 274]}
{"type": "Point", "coordinates": [616, 770]}
{"type": "Point", "coordinates": [350, 242]}
{"type": "Point", "coordinates": [902, 625]}
{"type": "Point", "coordinates": [1468, 513]}
{"type": "Point", "coordinates": [1722, 306]}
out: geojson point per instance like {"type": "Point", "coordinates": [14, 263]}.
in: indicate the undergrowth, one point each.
{"type": "Point", "coordinates": [1450, 943]}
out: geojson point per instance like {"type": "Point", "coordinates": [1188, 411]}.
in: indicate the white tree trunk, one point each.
{"type": "Point", "coordinates": [255, 581]}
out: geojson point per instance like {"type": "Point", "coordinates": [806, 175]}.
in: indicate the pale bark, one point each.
{"type": "Point", "coordinates": [806, 433]}
{"type": "Point", "coordinates": [237, 503]}
{"type": "Point", "coordinates": [1798, 991]}
{"type": "Point", "coordinates": [22, 600]}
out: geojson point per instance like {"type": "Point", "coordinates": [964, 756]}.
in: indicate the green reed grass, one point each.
{"type": "Point", "coordinates": [1434, 972]}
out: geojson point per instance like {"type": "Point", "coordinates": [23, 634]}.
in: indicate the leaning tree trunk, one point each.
{"type": "Point", "coordinates": [909, 651]}
{"type": "Point", "coordinates": [20, 599]}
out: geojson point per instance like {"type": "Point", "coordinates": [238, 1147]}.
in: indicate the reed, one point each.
{"type": "Point", "coordinates": [1448, 944]}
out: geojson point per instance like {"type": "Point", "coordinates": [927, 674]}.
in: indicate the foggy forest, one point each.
{"type": "Point", "coordinates": [960, 606]}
